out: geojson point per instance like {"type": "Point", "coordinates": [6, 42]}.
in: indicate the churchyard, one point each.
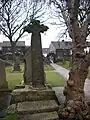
{"type": "Point", "coordinates": [34, 90]}
{"type": "Point", "coordinates": [27, 91]}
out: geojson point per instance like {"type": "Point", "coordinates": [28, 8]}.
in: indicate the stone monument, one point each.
{"type": "Point", "coordinates": [37, 102]}
{"type": "Point", "coordinates": [17, 63]}
{"type": "Point", "coordinates": [27, 67]}
{"type": "Point", "coordinates": [36, 52]}
{"type": "Point", "coordinates": [4, 91]}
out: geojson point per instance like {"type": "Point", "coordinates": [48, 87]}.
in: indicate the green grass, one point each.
{"type": "Point", "coordinates": [54, 79]}
{"type": "Point", "coordinates": [9, 69]}
{"type": "Point", "coordinates": [48, 68]}
{"type": "Point", "coordinates": [15, 78]}
{"type": "Point", "coordinates": [65, 64]}
{"type": "Point", "coordinates": [10, 117]}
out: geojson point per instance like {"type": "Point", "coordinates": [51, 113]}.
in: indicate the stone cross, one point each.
{"type": "Point", "coordinates": [36, 52]}
{"type": "Point", "coordinates": [27, 67]}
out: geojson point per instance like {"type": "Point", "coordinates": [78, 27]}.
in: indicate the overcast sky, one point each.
{"type": "Point", "coordinates": [47, 37]}
{"type": "Point", "coordinates": [50, 35]}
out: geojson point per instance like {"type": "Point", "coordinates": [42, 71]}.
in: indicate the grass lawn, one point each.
{"type": "Point", "coordinates": [10, 117]}
{"type": "Point", "coordinates": [52, 77]}
{"type": "Point", "coordinates": [14, 79]}
{"type": "Point", "coordinates": [48, 68]}
{"type": "Point", "coordinates": [65, 64]}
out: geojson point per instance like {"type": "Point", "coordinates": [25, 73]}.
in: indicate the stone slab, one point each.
{"type": "Point", "coordinates": [37, 106]}
{"type": "Point", "coordinates": [12, 109]}
{"type": "Point", "coordinates": [40, 116]}
{"type": "Point", "coordinates": [27, 67]}
{"type": "Point", "coordinates": [21, 95]}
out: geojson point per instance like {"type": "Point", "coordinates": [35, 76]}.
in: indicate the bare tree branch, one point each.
{"type": "Point", "coordinates": [84, 27]}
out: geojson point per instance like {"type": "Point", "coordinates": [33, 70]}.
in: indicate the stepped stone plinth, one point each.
{"type": "Point", "coordinates": [31, 103]}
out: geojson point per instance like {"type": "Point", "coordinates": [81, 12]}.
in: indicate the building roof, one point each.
{"type": "Point", "coordinates": [7, 43]}
{"type": "Point", "coordinates": [65, 44]}
{"type": "Point", "coordinates": [62, 44]}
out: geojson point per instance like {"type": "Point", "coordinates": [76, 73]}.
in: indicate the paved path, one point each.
{"type": "Point", "coordinates": [62, 71]}
{"type": "Point", "coordinates": [65, 73]}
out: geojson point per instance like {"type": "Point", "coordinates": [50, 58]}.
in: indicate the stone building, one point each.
{"type": "Point", "coordinates": [63, 49]}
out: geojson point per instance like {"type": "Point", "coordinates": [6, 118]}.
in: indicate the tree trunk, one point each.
{"type": "Point", "coordinates": [75, 106]}
{"type": "Point", "coordinates": [77, 75]}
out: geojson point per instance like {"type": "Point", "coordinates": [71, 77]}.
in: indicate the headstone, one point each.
{"type": "Point", "coordinates": [17, 63]}
{"type": "Point", "coordinates": [36, 29]}
{"type": "Point", "coordinates": [27, 68]}
{"type": "Point", "coordinates": [4, 91]}
{"type": "Point", "coordinates": [3, 82]}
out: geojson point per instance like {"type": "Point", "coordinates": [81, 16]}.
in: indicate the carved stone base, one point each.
{"type": "Point", "coordinates": [32, 104]}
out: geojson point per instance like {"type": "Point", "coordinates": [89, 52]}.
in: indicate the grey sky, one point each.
{"type": "Point", "coordinates": [50, 35]}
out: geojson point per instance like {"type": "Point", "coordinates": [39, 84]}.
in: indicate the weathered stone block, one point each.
{"type": "Point", "coordinates": [32, 104]}
{"type": "Point", "coordinates": [3, 82]}
{"type": "Point", "coordinates": [40, 116]}
{"type": "Point", "coordinates": [27, 67]}
{"type": "Point", "coordinates": [21, 95]}
{"type": "Point", "coordinates": [37, 106]}
{"type": "Point", "coordinates": [12, 109]}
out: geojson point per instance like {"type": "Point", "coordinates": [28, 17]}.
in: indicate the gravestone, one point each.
{"type": "Point", "coordinates": [3, 82]}
{"type": "Point", "coordinates": [4, 91]}
{"type": "Point", "coordinates": [27, 68]}
{"type": "Point", "coordinates": [36, 52]}
{"type": "Point", "coordinates": [17, 63]}
{"type": "Point", "coordinates": [36, 102]}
